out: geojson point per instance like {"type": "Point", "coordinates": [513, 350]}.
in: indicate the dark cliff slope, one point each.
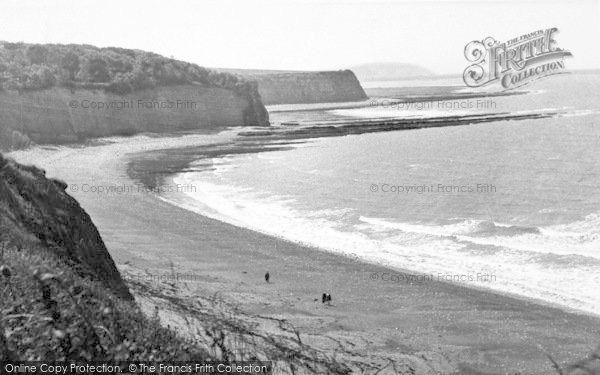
{"type": "Point", "coordinates": [309, 87]}
{"type": "Point", "coordinates": [61, 296]}
{"type": "Point", "coordinates": [38, 209]}
{"type": "Point", "coordinates": [63, 93]}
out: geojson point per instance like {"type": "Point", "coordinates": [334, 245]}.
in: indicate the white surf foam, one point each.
{"type": "Point", "coordinates": [419, 248]}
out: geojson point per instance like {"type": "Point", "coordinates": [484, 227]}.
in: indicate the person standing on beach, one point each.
{"type": "Point", "coordinates": [267, 276]}
{"type": "Point", "coordinates": [323, 298]}
{"type": "Point", "coordinates": [329, 299]}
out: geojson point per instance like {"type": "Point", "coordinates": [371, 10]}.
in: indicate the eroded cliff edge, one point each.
{"type": "Point", "coordinates": [35, 210]}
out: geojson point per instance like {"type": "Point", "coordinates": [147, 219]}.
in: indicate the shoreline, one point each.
{"type": "Point", "coordinates": [180, 162]}
{"type": "Point", "coordinates": [403, 275]}
{"type": "Point", "coordinates": [481, 328]}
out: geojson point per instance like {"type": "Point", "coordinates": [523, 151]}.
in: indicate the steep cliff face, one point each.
{"type": "Point", "coordinates": [309, 87]}
{"type": "Point", "coordinates": [59, 115]}
{"type": "Point", "coordinates": [36, 208]}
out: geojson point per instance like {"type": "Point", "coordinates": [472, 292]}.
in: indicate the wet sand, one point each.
{"type": "Point", "coordinates": [435, 326]}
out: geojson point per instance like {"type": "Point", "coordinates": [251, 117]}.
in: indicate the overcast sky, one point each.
{"type": "Point", "coordinates": [304, 35]}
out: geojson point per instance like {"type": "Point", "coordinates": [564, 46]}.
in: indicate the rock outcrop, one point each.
{"type": "Point", "coordinates": [308, 87]}
{"type": "Point", "coordinates": [36, 208]}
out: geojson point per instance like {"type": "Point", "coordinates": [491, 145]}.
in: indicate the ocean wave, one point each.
{"type": "Point", "coordinates": [482, 228]}
{"type": "Point", "coordinates": [578, 238]}
{"type": "Point", "coordinates": [565, 279]}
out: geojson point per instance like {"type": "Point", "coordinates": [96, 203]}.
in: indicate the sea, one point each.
{"type": "Point", "coordinates": [510, 205]}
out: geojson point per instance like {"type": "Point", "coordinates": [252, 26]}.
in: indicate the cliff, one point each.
{"type": "Point", "coordinates": [308, 87]}
{"type": "Point", "coordinates": [63, 93]}
{"type": "Point", "coordinates": [61, 296]}
{"type": "Point", "coordinates": [59, 115]}
{"type": "Point", "coordinates": [36, 211]}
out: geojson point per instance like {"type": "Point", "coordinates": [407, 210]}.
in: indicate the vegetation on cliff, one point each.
{"type": "Point", "coordinates": [50, 312]}
{"type": "Point", "coordinates": [117, 70]}
{"type": "Point", "coordinates": [61, 296]}
{"type": "Point", "coordinates": [39, 210]}
{"type": "Point", "coordinates": [28, 71]}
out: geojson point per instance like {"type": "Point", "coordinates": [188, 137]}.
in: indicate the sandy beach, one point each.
{"type": "Point", "coordinates": [374, 312]}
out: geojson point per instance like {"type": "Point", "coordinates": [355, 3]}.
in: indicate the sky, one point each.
{"type": "Point", "coordinates": [304, 34]}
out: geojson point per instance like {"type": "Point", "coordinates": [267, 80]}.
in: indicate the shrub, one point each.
{"type": "Point", "coordinates": [54, 314]}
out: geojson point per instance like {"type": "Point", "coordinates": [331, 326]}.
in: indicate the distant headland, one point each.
{"type": "Point", "coordinates": [389, 71]}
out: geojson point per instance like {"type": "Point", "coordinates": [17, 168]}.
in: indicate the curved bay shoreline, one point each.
{"type": "Point", "coordinates": [448, 325]}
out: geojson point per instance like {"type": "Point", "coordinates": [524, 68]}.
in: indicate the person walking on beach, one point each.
{"type": "Point", "coordinates": [328, 299]}
{"type": "Point", "coordinates": [323, 298]}
{"type": "Point", "coordinates": [267, 276]}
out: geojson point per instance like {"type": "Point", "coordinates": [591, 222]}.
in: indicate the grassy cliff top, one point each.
{"type": "Point", "coordinates": [40, 66]}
